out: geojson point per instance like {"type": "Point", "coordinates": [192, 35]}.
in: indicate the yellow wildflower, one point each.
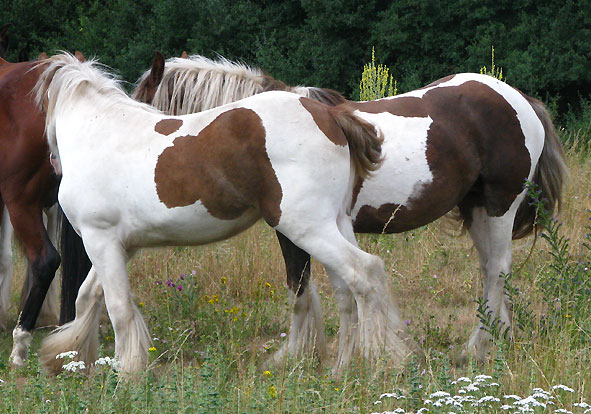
{"type": "Point", "coordinates": [272, 391]}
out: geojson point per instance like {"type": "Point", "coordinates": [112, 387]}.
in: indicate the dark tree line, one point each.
{"type": "Point", "coordinates": [544, 47]}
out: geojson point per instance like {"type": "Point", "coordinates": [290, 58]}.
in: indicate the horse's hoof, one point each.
{"type": "Point", "coordinates": [20, 348]}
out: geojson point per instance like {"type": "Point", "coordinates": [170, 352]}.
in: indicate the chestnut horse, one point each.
{"type": "Point", "coordinates": [28, 185]}
{"type": "Point", "coordinates": [203, 177]}
{"type": "Point", "coordinates": [466, 141]}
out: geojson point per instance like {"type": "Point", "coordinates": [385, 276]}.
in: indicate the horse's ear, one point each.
{"type": "Point", "coordinates": [42, 56]}
{"type": "Point", "coordinates": [184, 55]}
{"type": "Point", "coordinates": [157, 70]}
{"type": "Point", "coordinates": [79, 56]}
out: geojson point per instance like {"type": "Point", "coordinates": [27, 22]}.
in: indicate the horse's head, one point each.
{"type": "Point", "coordinates": [148, 84]}
{"type": "Point", "coordinates": [4, 39]}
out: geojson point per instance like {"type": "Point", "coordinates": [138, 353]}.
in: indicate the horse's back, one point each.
{"type": "Point", "coordinates": [466, 139]}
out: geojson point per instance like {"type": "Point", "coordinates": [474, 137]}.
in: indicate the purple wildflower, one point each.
{"type": "Point", "coordinates": [179, 287]}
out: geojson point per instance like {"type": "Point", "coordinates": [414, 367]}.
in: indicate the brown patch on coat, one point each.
{"type": "Point", "coordinates": [409, 107]}
{"type": "Point", "coordinates": [225, 166]}
{"type": "Point", "coordinates": [475, 151]}
{"type": "Point", "coordinates": [168, 126]}
{"type": "Point", "coordinates": [325, 121]}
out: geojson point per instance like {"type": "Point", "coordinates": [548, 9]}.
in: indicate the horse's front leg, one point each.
{"type": "Point", "coordinates": [44, 261]}
{"type": "Point", "coordinates": [50, 311]}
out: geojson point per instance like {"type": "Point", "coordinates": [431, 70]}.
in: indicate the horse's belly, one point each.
{"type": "Point", "coordinates": [191, 225]}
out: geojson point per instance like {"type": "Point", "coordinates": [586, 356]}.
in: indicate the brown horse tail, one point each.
{"type": "Point", "coordinates": [550, 175]}
{"type": "Point", "coordinates": [364, 139]}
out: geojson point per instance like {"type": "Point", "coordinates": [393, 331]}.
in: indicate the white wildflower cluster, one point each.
{"type": "Point", "coordinates": [109, 362]}
{"type": "Point", "coordinates": [74, 366]}
{"type": "Point", "coordinates": [67, 355]}
{"type": "Point", "coordinates": [473, 396]}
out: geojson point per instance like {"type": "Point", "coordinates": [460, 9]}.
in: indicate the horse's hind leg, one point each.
{"type": "Point", "coordinates": [379, 327]}
{"type": "Point", "coordinates": [492, 239]}
{"type": "Point", "coordinates": [81, 334]}
{"type": "Point", "coordinates": [306, 331]}
{"type": "Point", "coordinates": [5, 265]}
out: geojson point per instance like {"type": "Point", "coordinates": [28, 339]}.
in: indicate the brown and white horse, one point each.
{"type": "Point", "coordinates": [466, 140]}
{"type": "Point", "coordinates": [198, 178]}
{"type": "Point", "coordinates": [28, 185]}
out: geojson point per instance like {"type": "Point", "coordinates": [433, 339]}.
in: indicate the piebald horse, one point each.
{"type": "Point", "coordinates": [198, 178]}
{"type": "Point", "coordinates": [468, 141]}
{"type": "Point", "coordinates": [28, 185]}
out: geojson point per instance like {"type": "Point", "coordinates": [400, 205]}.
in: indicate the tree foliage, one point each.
{"type": "Point", "coordinates": [543, 47]}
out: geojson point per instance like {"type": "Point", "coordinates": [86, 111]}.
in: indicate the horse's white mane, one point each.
{"type": "Point", "coordinates": [197, 83]}
{"type": "Point", "coordinates": [63, 78]}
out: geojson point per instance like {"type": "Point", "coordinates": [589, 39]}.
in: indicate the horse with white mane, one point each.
{"type": "Point", "coordinates": [468, 141]}
{"type": "Point", "coordinates": [134, 177]}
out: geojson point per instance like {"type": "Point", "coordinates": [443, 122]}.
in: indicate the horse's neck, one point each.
{"type": "Point", "coordinates": [89, 114]}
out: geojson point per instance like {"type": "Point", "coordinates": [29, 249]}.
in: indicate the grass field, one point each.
{"type": "Point", "coordinates": [216, 313]}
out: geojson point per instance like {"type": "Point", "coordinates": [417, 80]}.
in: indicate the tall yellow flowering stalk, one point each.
{"type": "Point", "coordinates": [376, 81]}
{"type": "Point", "coordinates": [494, 71]}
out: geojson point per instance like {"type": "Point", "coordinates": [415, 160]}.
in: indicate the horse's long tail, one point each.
{"type": "Point", "coordinates": [365, 141]}
{"type": "Point", "coordinates": [550, 175]}
{"type": "Point", "coordinates": [75, 267]}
